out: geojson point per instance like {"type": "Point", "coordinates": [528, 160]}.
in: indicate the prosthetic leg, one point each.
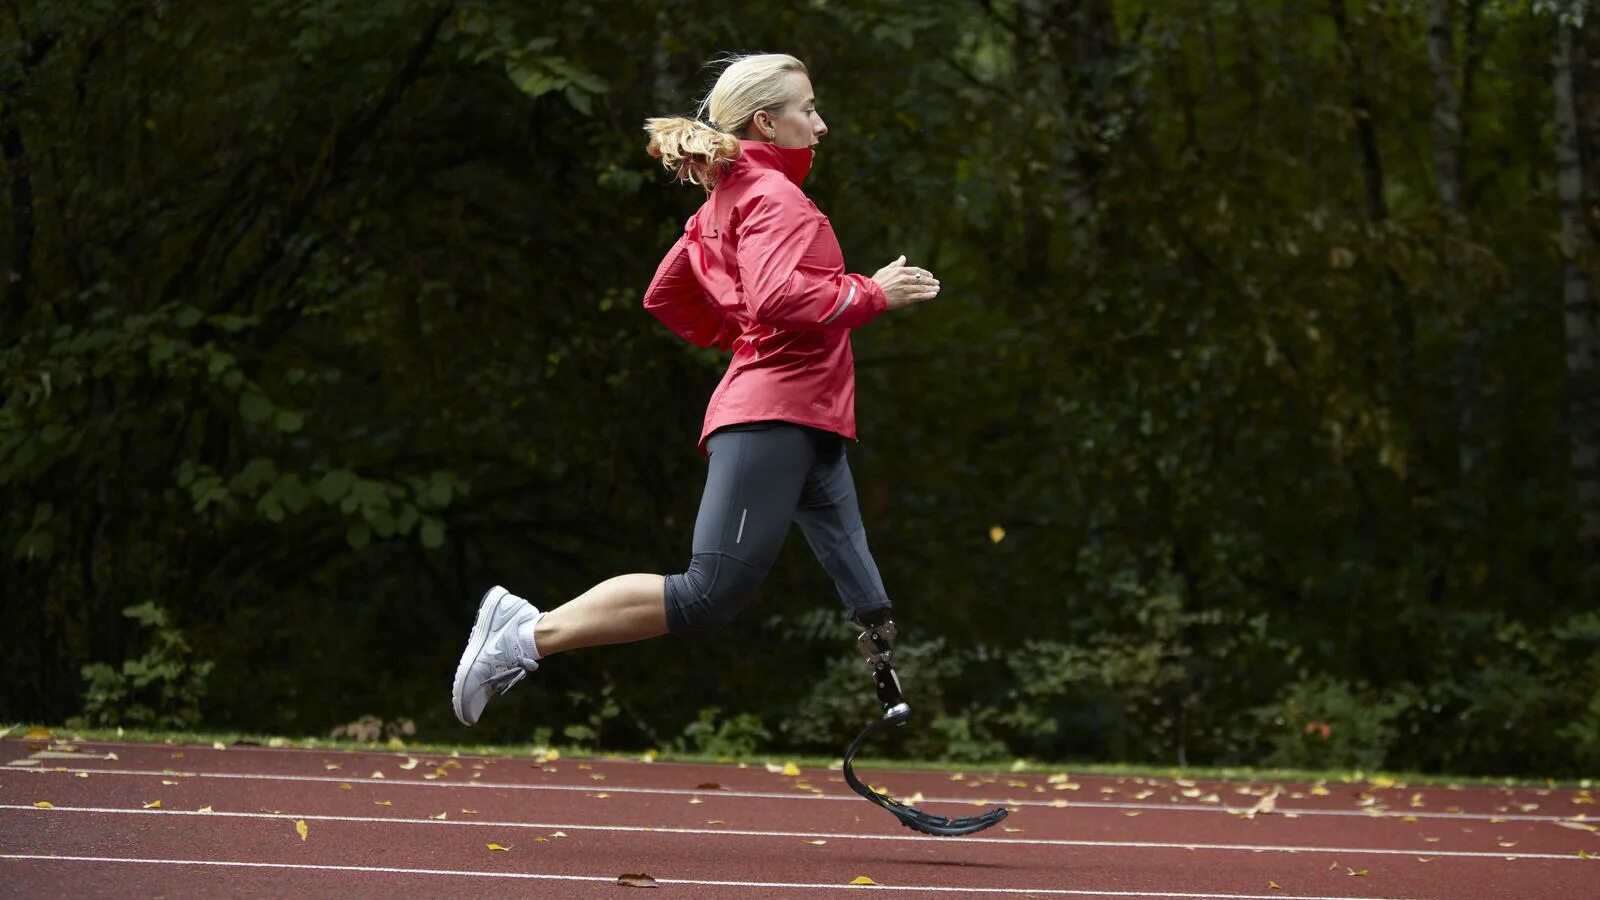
{"type": "Point", "coordinates": [874, 644]}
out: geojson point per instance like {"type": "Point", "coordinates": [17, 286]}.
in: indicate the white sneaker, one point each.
{"type": "Point", "coordinates": [495, 658]}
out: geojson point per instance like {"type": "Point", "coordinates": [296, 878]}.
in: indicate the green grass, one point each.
{"type": "Point", "coordinates": [1198, 773]}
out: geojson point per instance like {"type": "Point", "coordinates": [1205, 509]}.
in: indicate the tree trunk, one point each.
{"type": "Point", "coordinates": [1576, 91]}
{"type": "Point", "coordinates": [1448, 152]}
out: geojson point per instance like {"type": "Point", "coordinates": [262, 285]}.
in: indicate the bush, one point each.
{"type": "Point", "coordinates": [161, 689]}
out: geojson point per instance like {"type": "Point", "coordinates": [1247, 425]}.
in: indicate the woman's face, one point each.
{"type": "Point", "coordinates": [796, 123]}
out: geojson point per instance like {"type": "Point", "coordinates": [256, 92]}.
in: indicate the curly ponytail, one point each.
{"type": "Point", "coordinates": [696, 151]}
{"type": "Point", "coordinates": [691, 150]}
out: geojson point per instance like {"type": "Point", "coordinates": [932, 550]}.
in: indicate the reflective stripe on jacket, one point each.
{"type": "Point", "coordinates": [758, 271]}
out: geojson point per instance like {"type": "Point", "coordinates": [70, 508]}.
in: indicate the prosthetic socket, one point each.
{"type": "Point", "coordinates": [874, 644]}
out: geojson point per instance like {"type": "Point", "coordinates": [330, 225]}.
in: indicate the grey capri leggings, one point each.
{"type": "Point", "coordinates": [764, 475]}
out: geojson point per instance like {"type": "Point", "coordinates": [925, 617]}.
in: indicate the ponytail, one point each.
{"type": "Point", "coordinates": [696, 151]}
{"type": "Point", "coordinates": [690, 149]}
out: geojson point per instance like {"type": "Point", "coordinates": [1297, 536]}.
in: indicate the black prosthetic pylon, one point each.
{"type": "Point", "coordinates": [874, 643]}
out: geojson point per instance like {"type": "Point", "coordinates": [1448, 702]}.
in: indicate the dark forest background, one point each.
{"type": "Point", "coordinates": [1257, 423]}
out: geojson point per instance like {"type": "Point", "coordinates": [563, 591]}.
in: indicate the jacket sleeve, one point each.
{"type": "Point", "coordinates": [775, 238]}
{"type": "Point", "coordinates": [677, 299]}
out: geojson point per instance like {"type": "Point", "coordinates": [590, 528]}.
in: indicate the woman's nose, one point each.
{"type": "Point", "coordinates": [821, 127]}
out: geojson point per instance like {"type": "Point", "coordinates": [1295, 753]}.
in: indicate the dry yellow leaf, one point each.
{"type": "Point", "coordinates": [344, 785]}
{"type": "Point", "coordinates": [153, 804]}
{"type": "Point", "coordinates": [1580, 826]}
{"type": "Point", "coordinates": [218, 745]}
{"type": "Point", "coordinates": [37, 734]}
{"type": "Point", "coordinates": [410, 763]}
{"type": "Point", "coordinates": [1424, 859]}
{"type": "Point", "coordinates": [695, 800]}
{"type": "Point", "coordinates": [1274, 885]}
{"type": "Point", "coordinates": [559, 834]}
{"type": "Point", "coordinates": [601, 796]}
{"type": "Point", "coordinates": [382, 803]}
{"type": "Point", "coordinates": [996, 534]}
{"type": "Point", "coordinates": [862, 879]}
{"type": "Point", "coordinates": [1359, 873]}
{"type": "Point", "coordinates": [790, 769]}
{"type": "Point", "coordinates": [440, 816]}
{"type": "Point", "coordinates": [1131, 813]}
{"type": "Point", "coordinates": [44, 804]}
{"type": "Point", "coordinates": [301, 829]}
{"type": "Point", "coordinates": [330, 766]}
{"type": "Point", "coordinates": [716, 822]}
{"type": "Point", "coordinates": [376, 775]}
{"type": "Point", "coordinates": [498, 847]}
{"type": "Point", "coordinates": [1318, 790]}
{"type": "Point", "coordinates": [819, 843]}
{"type": "Point", "coordinates": [204, 809]}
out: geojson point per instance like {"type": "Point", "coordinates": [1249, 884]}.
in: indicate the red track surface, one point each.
{"type": "Point", "coordinates": [573, 826]}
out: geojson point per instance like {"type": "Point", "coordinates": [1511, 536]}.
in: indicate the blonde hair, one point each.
{"type": "Point", "coordinates": [696, 150]}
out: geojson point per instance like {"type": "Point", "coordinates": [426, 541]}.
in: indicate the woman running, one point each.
{"type": "Point", "coordinates": [757, 271]}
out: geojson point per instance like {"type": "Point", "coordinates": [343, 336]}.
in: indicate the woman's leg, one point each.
{"type": "Point", "coordinates": [754, 480]}
{"type": "Point", "coordinates": [830, 517]}
{"type": "Point", "coordinates": [615, 611]}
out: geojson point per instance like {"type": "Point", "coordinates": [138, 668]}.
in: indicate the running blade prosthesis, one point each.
{"type": "Point", "coordinates": [874, 644]}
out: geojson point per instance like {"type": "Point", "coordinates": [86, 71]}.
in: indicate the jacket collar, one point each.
{"type": "Point", "coordinates": [794, 163]}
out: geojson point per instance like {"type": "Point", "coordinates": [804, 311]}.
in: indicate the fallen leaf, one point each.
{"type": "Point", "coordinates": [382, 803]}
{"type": "Point", "coordinates": [695, 800]}
{"type": "Point", "coordinates": [818, 843]}
{"type": "Point", "coordinates": [440, 816]}
{"type": "Point", "coordinates": [597, 777]}
{"type": "Point", "coordinates": [649, 756]}
{"type": "Point", "coordinates": [204, 809]}
{"type": "Point", "coordinates": [541, 839]}
{"type": "Point", "coordinates": [996, 534]}
{"type": "Point", "coordinates": [559, 834]}
{"type": "Point", "coordinates": [468, 812]}
{"type": "Point", "coordinates": [177, 756]}
{"type": "Point", "coordinates": [498, 847]}
{"type": "Point", "coordinates": [1131, 813]}
{"type": "Point", "coordinates": [330, 766]}
{"type": "Point", "coordinates": [638, 879]}
{"type": "Point", "coordinates": [37, 734]}
{"type": "Point", "coordinates": [790, 769]}
{"type": "Point", "coordinates": [81, 774]}
{"type": "Point", "coordinates": [1432, 840]}
{"type": "Point", "coordinates": [301, 829]}
{"type": "Point", "coordinates": [1274, 885]}
{"type": "Point", "coordinates": [1009, 830]}
{"type": "Point", "coordinates": [410, 763]}
{"type": "Point", "coordinates": [1318, 790]}
{"type": "Point", "coordinates": [1508, 843]}
{"type": "Point", "coordinates": [44, 804]}
{"type": "Point", "coordinates": [716, 821]}
{"type": "Point", "coordinates": [1580, 826]}
{"type": "Point", "coordinates": [6, 730]}
{"type": "Point", "coordinates": [344, 786]}
{"type": "Point", "coordinates": [1424, 859]}
{"type": "Point", "coordinates": [153, 804]}
{"type": "Point", "coordinates": [862, 879]}
{"type": "Point", "coordinates": [1358, 873]}
{"type": "Point", "coordinates": [218, 745]}
{"type": "Point", "coordinates": [376, 775]}
{"type": "Point", "coordinates": [601, 796]}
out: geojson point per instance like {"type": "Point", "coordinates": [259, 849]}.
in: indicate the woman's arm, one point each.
{"type": "Point", "coordinates": [792, 272]}
{"type": "Point", "coordinates": [677, 299]}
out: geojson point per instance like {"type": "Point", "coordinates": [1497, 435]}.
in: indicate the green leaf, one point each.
{"type": "Point", "coordinates": [358, 535]}
{"type": "Point", "coordinates": [288, 421]}
{"type": "Point", "coordinates": [335, 485]}
{"type": "Point", "coordinates": [254, 407]}
{"type": "Point", "coordinates": [432, 534]}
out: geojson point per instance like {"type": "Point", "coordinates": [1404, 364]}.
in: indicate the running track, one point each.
{"type": "Point", "coordinates": [395, 823]}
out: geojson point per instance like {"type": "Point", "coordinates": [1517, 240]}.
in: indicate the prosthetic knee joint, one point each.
{"type": "Point", "coordinates": [874, 644]}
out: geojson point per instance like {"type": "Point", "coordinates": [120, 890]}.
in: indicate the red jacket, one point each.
{"type": "Point", "coordinates": [758, 271]}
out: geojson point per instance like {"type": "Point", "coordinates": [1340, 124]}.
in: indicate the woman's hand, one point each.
{"type": "Point", "coordinates": [904, 285]}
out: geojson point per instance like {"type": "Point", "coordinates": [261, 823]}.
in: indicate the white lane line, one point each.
{"type": "Point", "coordinates": [840, 836]}
{"type": "Point", "coordinates": [987, 800]}
{"type": "Point", "coordinates": [819, 886]}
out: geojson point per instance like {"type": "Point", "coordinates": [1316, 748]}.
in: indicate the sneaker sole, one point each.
{"type": "Point", "coordinates": [475, 642]}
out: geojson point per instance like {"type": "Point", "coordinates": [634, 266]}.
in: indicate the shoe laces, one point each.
{"type": "Point", "coordinates": [507, 678]}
